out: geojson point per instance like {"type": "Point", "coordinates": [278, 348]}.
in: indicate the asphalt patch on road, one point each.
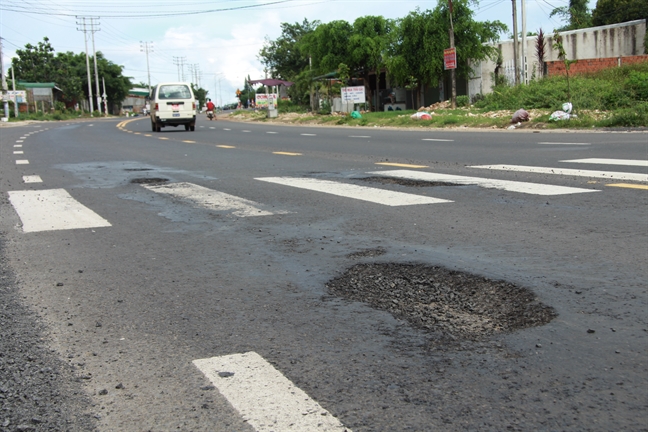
{"type": "Point", "coordinates": [151, 180]}
{"type": "Point", "coordinates": [450, 303]}
{"type": "Point", "coordinates": [406, 182]}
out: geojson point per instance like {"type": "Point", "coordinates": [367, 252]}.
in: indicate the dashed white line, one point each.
{"type": "Point", "coordinates": [245, 131]}
{"type": "Point", "coordinates": [512, 186]}
{"type": "Point", "coordinates": [17, 145]}
{"type": "Point", "coordinates": [564, 143]}
{"type": "Point", "coordinates": [438, 139]}
{"type": "Point", "coordinates": [612, 175]}
{"type": "Point", "coordinates": [227, 129]}
{"type": "Point", "coordinates": [626, 162]}
{"type": "Point", "coordinates": [308, 134]}
{"type": "Point", "coordinates": [265, 398]}
{"type": "Point", "coordinates": [19, 141]}
{"type": "Point", "coordinates": [53, 209]}
{"type": "Point", "coordinates": [359, 136]}
{"type": "Point", "coordinates": [22, 162]}
{"type": "Point", "coordinates": [271, 133]}
{"type": "Point", "coordinates": [378, 196]}
{"type": "Point", "coordinates": [19, 152]}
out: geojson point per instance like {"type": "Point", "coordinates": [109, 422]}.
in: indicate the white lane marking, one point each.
{"type": "Point", "coordinates": [308, 134]}
{"type": "Point", "coordinates": [512, 186]}
{"type": "Point", "coordinates": [227, 129]}
{"type": "Point", "coordinates": [19, 152]}
{"type": "Point", "coordinates": [32, 179]}
{"type": "Point", "coordinates": [359, 136]}
{"type": "Point", "coordinates": [265, 398]}
{"type": "Point", "coordinates": [564, 143]}
{"type": "Point", "coordinates": [22, 162]}
{"type": "Point", "coordinates": [573, 172]}
{"type": "Point", "coordinates": [19, 141]}
{"type": "Point", "coordinates": [211, 199]}
{"type": "Point", "coordinates": [53, 209]}
{"type": "Point", "coordinates": [90, 125]}
{"type": "Point", "coordinates": [628, 162]}
{"type": "Point", "coordinates": [18, 145]}
{"type": "Point", "coordinates": [23, 137]}
{"type": "Point", "coordinates": [212, 127]}
{"type": "Point", "coordinates": [438, 139]}
{"type": "Point", "coordinates": [245, 131]}
{"type": "Point", "coordinates": [378, 196]}
{"type": "Point", "coordinates": [271, 132]}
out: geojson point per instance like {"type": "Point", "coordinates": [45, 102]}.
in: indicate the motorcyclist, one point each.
{"type": "Point", "coordinates": [210, 109]}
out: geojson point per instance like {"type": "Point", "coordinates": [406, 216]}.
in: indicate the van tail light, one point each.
{"type": "Point", "coordinates": [157, 108]}
{"type": "Point", "coordinates": [193, 105]}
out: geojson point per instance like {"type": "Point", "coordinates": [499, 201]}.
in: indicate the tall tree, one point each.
{"type": "Point", "coordinates": [417, 52]}
{"type": "Point", "coordinates": [577, 15]}
{"type": "Point", "coordinates": [328, 45]}
{"type": "Point", "coordinates": [367, 46]}
{"type": "Point", "coordinates": [618, 11]}
{"type": "Point", "coordinates": [282, 56]}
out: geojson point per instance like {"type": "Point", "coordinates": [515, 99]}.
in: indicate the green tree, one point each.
{"type": "Point", "coordinates": [416, 54]}
{"type": "Point", "coordinates": [367, 46]}
{"type": "Point", "coordinates": [200, 94]}
{"type": "Point", "coordinates": [577, 15]}
{"type": "Point", "coordinates": [328, 46]}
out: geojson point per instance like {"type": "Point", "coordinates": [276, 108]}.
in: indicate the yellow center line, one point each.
{"type": "Point", "coordinates": [287, 153]}
{"type": "Point", "coordinates": [401, 165]}
{"type": "Point", "coordinates": [629, 186]}
{"type": "Point", "coordinates": [190, 142]}
{"type": "Point", "coordinates": [224, 146]}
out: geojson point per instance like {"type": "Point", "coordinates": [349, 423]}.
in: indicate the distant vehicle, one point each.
{"type": "Point", "coordinates": [172, 104]}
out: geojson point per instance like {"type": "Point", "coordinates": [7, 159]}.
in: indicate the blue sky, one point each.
{"type": "Point", "coordinates": [221, 44]}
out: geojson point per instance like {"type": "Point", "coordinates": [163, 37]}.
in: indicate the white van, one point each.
{"type": "Point", "coordinates": [172, 104]}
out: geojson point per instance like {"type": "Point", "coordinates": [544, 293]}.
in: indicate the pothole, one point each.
{"type": "Point", "coordinates": [149, 180]}
{"type": "Point", "coordinates": [406, 182]}
{"type": "Point", "coordinates": [439, 300]}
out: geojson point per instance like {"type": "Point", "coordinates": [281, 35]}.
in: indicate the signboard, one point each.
{"type": "Point", "coordinates": [17, 96]}
{"type": "Point", "coordinates": [354, 94]}
{"type": "Point", "coordinates": [262, 100]}
{"type": "Point", "coordinates": [450, 58]}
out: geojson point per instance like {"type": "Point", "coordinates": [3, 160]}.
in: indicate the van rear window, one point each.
{"type": "Point", "coordinates": [174, 92]}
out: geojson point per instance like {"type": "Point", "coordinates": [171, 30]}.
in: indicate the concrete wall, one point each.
{"type": "Point", "coordinates": [616, 40]}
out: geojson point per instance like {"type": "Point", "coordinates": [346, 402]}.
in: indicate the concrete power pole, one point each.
{"type": "Point", "coordinates": [94, 57]}
{"type": "Point", "coordinates": [515, 44]}
{"type": "Point", "coordinates": [4, 84]}
{"type": "Point", "coordinates": [85, 38]}
{"type": "Point", "coordinates": [144, 46]}
{"type": "Point", "coordinates": [523, 61]}
{"type": "Point", "coordinates": [453, 76]}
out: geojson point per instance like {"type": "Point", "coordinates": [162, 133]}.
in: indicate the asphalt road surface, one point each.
{"type": "Point", "coordinates": [259, 277]}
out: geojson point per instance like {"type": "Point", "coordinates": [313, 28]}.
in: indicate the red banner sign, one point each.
{"type": "Point", "coordinates": [450, 58]}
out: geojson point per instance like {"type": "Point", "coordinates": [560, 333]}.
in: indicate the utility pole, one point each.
{"type": "Point", "coordinates": [178, 62]}
{"type": "Point", "coordinates": [523, 61]}
{"type": "Point", "coordinates": [13, 85]}
{"type": "Point", "coordinates": [85, 39]}
{"type": "Point", "coordinates": [144, 46]}
{"type": "Point", "coordinates": [105, 96]}
{"type": "Point", "coordinates": [515, 44]}
{"type": "Point", "coordinates": [94, 56]}
{"type": "Point", "coordinates": [453, 76]}
{"type": "Point", "coordinates": [4, 84]}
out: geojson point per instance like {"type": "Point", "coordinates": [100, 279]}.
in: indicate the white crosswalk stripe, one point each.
{"type": "Point", "coordinates": [265, 398]}
{"type": "Point", "coordinates": [211, 199]}
{"type": "Point", "coordinates": [53, 209]}
{"type": "Point", "coordinates": [374, 195]}
{"type": "Point", "coordinates": [610, 175]}
{"type": "Point", "coordinates": [511, 186]}
{"type": "Point", "coordinates": [600, 161]}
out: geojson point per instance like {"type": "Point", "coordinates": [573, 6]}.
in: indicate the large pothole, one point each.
{"type": "Point", "coordinates": [436, 299]}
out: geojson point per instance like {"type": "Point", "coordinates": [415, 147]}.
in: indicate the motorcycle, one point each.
{"type": "Point", "coordinates": [210, 115]}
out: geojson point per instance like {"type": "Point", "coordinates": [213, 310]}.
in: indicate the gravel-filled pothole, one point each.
{"type": "Point", "coordinates": [406, 182]}
{"type": "Point", "coordinates": [149, 180]}
{"type": "Point", "coordinates": [436, 299]}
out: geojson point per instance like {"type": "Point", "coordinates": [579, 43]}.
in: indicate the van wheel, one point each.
{"type": "Point", "coordinates": [192, 127]}
{"type": "Point", "coordinates": [153, 127]}
{"type": "Point", "coordinates": [186, 127]}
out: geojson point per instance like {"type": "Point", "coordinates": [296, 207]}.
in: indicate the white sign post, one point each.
{"type": "Point", "coordinates": [354, 94]}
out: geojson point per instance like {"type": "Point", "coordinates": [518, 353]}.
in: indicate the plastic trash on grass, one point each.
{"type": "Point", "coordinates": [421, 116]}
{"type": "Point", "coordinates": [520, 115]}
{"type": "Point", "coordinates": [356, 115]}
{"type": "Point", "coordinates": [564, 114]}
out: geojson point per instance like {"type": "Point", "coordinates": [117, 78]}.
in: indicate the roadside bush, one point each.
{"type": "Point", "coordinates": [463, 101]}
{"type": "Point", "coordinates": [286, 106]}
{"type": "Point", "coordinates": [325, 108]}
{"type": "Point", "coordinates": [637, 116]}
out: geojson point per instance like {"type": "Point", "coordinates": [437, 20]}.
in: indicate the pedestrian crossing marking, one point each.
{"type": "Point", "coordinates": [508, 185]}
{"type": "Point", "coordinates": [374, 195]}
{"type": "Point", "coordinates": [53, 209]}
{"type": "Point", "coordinates": [401, 165]}
{"type": "Point", "coordinates": [629, 186]}
{"type": "Point", "coordinates": [611, 175]}
{"type": "Point", "coordinates": [265, 398]}
{"type": "Point", "coordinates": [32, 179]}
{"type": "Point", "coordinates": [627, 162]}
{"type": "Point", "coordinates": [211, 199]}
{"type": "Point", "coordinates": [22, 162]}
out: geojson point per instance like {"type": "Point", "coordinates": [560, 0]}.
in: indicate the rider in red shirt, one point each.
{"type": "Point", "coordinates": [210, 109]}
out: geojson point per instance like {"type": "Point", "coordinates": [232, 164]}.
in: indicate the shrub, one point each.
{"type": "Point", "coordinates": [463, 101]}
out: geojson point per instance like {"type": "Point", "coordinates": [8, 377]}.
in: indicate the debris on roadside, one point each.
{"type": "Point", "coordinates": [520, 115]}
{"type": "Point", "coordinates": [422, 115]}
